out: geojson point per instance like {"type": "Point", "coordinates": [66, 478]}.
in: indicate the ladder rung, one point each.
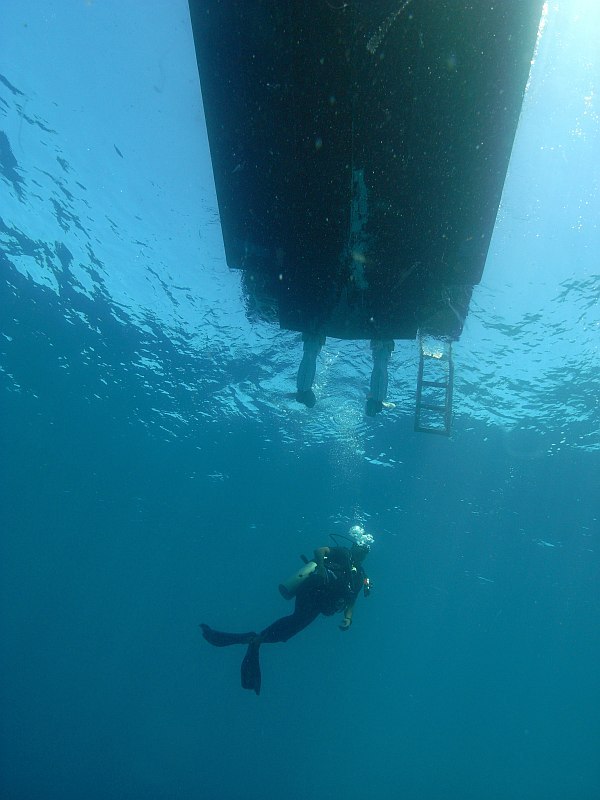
{"type": "Point", "coordinates": [441, 431]}
{"type": "Point", "coordinates": [434, 416]}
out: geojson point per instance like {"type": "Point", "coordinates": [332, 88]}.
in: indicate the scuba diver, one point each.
{"type": "Point", "coordinates": [327, 585]}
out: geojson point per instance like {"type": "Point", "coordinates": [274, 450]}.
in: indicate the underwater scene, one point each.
{"type": "Point", "coordinates": [426, 606]}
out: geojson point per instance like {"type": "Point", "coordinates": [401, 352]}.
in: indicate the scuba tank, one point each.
{"type": "Point", "coordinates": [289, 587]}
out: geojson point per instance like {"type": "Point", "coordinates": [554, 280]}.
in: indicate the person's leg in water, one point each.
{"type": "Point", "coordinates": [306, 610]}
{"type": "Point", "coordinates": [312, 344]}
{"type": "Point", "coordinates": [382, 351]}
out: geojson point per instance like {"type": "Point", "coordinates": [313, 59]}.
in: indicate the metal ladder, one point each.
{"type": "Point", "coordinates": [433, 410]}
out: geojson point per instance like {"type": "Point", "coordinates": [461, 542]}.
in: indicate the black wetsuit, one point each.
{"type": "Point", "coordinates": [326, 591]}
{"type": "Point", "coordinates": [322, 593]}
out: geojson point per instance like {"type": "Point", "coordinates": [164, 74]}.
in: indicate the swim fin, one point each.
{"type": "Point", "coordinates": [222, 639]}
{"type": "Point", "coordinates": [251, 677]}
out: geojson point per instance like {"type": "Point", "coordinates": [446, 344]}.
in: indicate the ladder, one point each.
{"type": "Point", "coordinates": [433, 410]}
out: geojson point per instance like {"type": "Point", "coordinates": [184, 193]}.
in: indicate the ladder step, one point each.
{"type": "Point", "coordinates": [437, 384]}
{"type": "Point", "coordinates": [441, 431]}
{"type": "Point", "coordinates": [434, 416]}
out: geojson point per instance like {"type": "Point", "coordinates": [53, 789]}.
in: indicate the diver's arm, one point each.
{"type": "Point", "coordinates": [347, 621]}
{"type": "Point", "coordinates": [320, 554]}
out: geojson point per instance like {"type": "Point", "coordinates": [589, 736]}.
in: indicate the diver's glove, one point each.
{"type": "Point", "coordinates": [345, 624]}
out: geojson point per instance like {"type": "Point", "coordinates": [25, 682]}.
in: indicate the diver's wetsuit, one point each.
{"type": "Point", "coordinates": [324, 593]}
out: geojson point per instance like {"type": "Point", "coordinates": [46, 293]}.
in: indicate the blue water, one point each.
{"type": "Point", "coordinates": [154, 475]}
